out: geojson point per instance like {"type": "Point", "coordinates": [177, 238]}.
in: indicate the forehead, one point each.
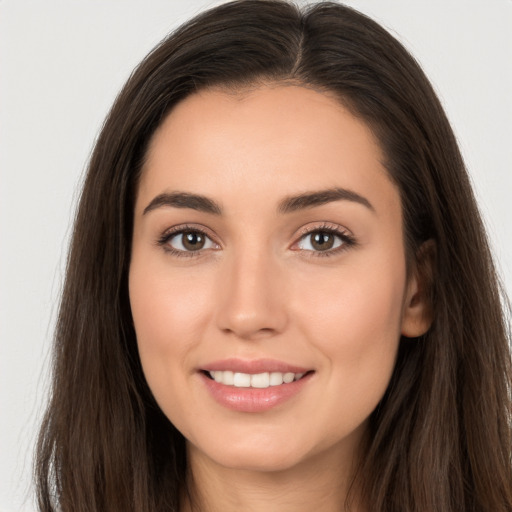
{"type": "Point", "coordinates": [272, 141]}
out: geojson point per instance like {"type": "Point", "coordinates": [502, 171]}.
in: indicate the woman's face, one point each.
{"type": "Point", "coordinates": [268, 247]}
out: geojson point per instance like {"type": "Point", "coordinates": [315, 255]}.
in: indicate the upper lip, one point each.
{"type": "Point", "coordinates": [253, 366]}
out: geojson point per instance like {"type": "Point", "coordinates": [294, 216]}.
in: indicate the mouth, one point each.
{"type": "Point", "coordinates": [261, 380]}
{"type": "Point", "coordinates": [256, 385]}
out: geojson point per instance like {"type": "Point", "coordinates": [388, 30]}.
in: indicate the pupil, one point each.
{"type": "Point", "coordinates": [322, 241]}
{"type": "Point", "coordinates": [193, 241]}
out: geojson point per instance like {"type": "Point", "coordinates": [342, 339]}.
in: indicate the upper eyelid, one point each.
{"type": "Point", "coordinates": [183, 228]}
{"type": "Point", "coordinates": [304, 230]}
{"type": "Point", "coordinates": [324, 226]}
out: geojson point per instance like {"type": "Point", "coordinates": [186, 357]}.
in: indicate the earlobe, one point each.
{"type": "Point", "coordinates": [418, 312]}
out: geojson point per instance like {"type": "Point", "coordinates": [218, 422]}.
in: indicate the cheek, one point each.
{"type": "Point", "coordinates": [162, 297]}
{"type": "Point", "coordinates": [170, 312]}
{"type": "Point", "coordinates": [354, 320]}
{"type": "Point", "coordinates": [365, 299]}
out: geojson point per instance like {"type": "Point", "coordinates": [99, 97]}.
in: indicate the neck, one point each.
{"type": "Point", "coordinates": [319, 483]}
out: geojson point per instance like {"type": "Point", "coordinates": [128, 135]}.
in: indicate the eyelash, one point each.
{"type": "Point", "coordinates": [163, 241]}
{"type": "Point", "coordinates": [347, 240]}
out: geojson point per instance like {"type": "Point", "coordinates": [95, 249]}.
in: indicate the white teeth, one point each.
{"type": "Point", "coordinates": [258, 380]}
{"type": "Point", "coordinates": [242, 380]}
{"type": "Point", "coordinates": [228, 378]}
{"type": "Point", "coordinates": [276, 379]}
{"type": "Point", "coordinates": [288, 377]}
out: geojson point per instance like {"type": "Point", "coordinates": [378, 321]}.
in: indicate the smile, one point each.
{"type": "Point", "coordinates": [254, 386]}
{"type": "Point", "coordinates": [258, 380]}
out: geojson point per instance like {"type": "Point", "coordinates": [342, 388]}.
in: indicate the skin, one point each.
{"type": "Point", "coordinates": [259, 289]}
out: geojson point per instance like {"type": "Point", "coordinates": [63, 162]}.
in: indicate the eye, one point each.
{"type": "Point", "coordinates": [187, 241]}
{"type": "Point", "coordinates": [324, 240]}
{"type": "Point", "coordinates": [319, 241]}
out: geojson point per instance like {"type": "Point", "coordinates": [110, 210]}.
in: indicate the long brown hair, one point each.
{"type": "Point", "coordinates": [440, 440]}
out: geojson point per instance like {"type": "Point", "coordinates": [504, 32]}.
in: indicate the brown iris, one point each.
{"type": "Point", "coordinates": [193, 240]}
{"type": "Point", "coordinates": [322, 240]}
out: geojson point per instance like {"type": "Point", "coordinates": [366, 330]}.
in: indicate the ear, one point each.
{"type": "Point", "coordinates": [418, 310]}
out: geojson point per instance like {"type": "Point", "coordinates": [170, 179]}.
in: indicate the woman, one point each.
{"type": "Point", "coordinates": [279, 294]}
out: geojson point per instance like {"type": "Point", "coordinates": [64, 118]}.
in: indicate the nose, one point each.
{"type": "Point", "coordinates": [252, 296]}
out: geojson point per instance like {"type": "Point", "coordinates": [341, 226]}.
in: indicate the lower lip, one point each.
{"type": "Point", "coordinates": [253, 399]}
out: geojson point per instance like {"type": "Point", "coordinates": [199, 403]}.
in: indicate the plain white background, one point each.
{"type": "Point", "coordinates": [61, 65]}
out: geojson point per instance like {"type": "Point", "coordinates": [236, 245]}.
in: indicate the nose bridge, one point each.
{"type": "Point", "coordinates": [251, 300]}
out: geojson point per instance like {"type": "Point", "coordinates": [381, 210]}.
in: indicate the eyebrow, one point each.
{"type": "Point", "coordinates": [184, 200]}
{"type": "Point", "coordinates": [288, 205]}
{"type": "Point", "coordinates": [312, 199]}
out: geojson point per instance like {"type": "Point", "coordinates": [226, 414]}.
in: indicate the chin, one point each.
{"type": "Point", "coordinates": [254, 456]}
